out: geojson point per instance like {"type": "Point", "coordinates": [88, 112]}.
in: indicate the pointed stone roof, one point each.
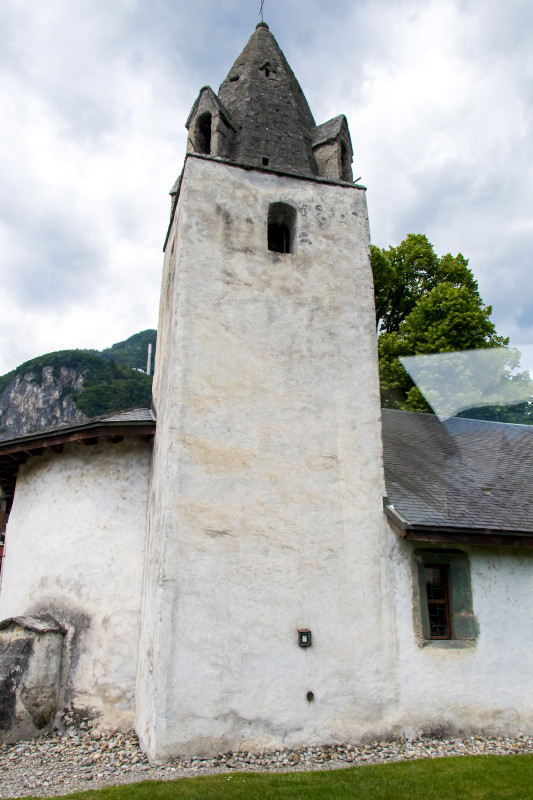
{"type": "Point", "coordinates": [261, 119]}
{"type": "Point", "coordinates": [268, 109]}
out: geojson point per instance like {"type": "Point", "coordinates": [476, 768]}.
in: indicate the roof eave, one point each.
{"type": "Point", "coordinates": [89, 430]}
{"type": "Point", "coordinates": [448, 534]}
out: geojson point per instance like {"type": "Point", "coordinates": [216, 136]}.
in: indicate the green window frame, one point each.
{"type": "Point", "coordinates": [443, 610]}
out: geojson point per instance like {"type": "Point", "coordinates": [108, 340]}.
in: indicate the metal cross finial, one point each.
{"type": "Point", "coordinates": [261, 10]}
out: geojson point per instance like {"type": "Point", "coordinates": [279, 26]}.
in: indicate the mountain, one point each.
{"type": "Point", "coordinates": [133, 352]}
{"type": "Point", "coordinates": [70, 386]}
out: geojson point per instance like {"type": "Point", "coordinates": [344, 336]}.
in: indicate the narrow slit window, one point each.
{"type": "Point", "coordinates": [204, 134]}
{"type": "Point", "coordinates": [346, 165]}
{"type": "Point", "coordinates": [438, 600]}
{"type": "Point", "coordinates": [281, 225]}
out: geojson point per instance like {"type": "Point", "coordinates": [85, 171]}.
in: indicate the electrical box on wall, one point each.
{"type": "Point", "coordinates": [304, 637]}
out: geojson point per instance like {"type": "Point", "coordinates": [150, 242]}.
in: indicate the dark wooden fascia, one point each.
{"type": "Point", "coordinates": [89, 435]}
{"type": "Point", "coordinates": [445, 534]}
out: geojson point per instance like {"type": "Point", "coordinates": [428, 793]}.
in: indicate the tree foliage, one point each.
{"type": "Point", "coordinates": [429, 304]}
{"type": "Point", "coordinates": [113, 389]}
{"type": "Point", "coordinates": [133, 351]}
{"type": "Point", "coordinates": [406, 274]}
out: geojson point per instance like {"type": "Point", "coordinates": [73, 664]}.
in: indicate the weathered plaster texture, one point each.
{"type": "Point", "coordinates": [453, 686]}
{"type": "Point", "coordinates": [75, 549]}
{"type": "Point", "coordinates": [30, 670]}
{"type": "Point", "coordinates": [266, 505]}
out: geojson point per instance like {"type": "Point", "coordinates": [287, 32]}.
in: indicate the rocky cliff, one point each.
{"type": "Point", "coordinates": [71, 386]}
{"type": "Point", "coordinates": [38, 399]}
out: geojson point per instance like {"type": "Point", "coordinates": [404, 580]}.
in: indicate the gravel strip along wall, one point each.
{"type": "Point", "coordinates": [63, 763]}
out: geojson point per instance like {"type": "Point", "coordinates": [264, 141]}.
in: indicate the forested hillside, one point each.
{"type": "Point", "coordinates": [70, 386]}
{"type": "Point", "coordinates": [132, 352]}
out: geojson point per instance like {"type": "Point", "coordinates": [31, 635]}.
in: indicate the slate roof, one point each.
{"type": "Point", "coordinates": [328, 131]}
{"type": "Point", "coordinates": [130, 415]}
{"type": "Point", "coordinates": [460, 480]}
{"type": "Point", "coordinates": [460, 474]}
{"type": "Point", "coordinates": [130, 419]}
{"type": "Point", "coordinates": [267, 106]}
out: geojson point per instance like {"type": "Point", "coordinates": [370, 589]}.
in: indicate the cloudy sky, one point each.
{"type": "Point", "coordinates": [94, 96]}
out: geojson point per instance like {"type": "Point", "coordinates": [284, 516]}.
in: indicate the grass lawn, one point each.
{"type": "Point", "coordinates": [464, 778]}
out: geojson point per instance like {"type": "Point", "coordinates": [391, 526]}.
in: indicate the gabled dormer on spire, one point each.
{"type": "Point", "coordinates": [210, 128]}
{"type": "Point", "coordinates": [261, 118]}
{"type": "Point", "coordinates": [332, 147]}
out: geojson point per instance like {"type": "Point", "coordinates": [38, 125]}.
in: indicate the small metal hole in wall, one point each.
{"type": "Point", "coordinates": [310, 697]}
{"type": "Point", "coordinates": [265, 161]}
{"type": "Point", "coordinates": [305, 637]}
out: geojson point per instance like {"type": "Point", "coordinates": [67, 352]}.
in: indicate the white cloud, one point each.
{"type": "Point", "coordinates": [441, 118]}
{"type": "Point", "coordinates": [95, 95]}
{"type": "Point", "coordinates": [88, 156]}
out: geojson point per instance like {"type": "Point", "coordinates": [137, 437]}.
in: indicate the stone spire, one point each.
{"type": "Point", "coordinates": [268, 109]}
{"type": "Point", "coordinates": [261, 118]}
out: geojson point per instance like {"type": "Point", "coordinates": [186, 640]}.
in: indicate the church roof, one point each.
{"type": "Point", "coordinates": [130, 415]}
{"type": "Point", "coordinates": [13, 452]}
{"type": "Point", "coordinates": [129, 420]}
{"type": "Point", "coordinates": [328, 131]}
{"type": "Point", "coordinates": [260, 119]}
{"type": "Point", "coordinates": [268, 108]}
{"type": "Point", "coordinates": [459, 480]}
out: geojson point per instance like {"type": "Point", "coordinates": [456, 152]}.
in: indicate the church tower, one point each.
{"type": "Point", "coordinates": [263, 623]}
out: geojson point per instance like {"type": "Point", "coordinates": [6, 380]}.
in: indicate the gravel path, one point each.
{"type": "Point", "coordinates": [68, 762]}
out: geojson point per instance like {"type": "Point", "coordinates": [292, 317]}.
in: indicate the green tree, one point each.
{"type": "Point", "coordinates": [133, 351]}
{"type": "Point", "coordinates": [425, 304]}
{"type": "Point", "coordinates": [403, 275]}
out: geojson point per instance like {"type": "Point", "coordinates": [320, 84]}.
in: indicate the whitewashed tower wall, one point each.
{"type": "Point", "coordinates": [267, 486]}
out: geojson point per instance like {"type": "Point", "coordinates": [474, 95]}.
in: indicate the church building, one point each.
{"type": "Point", "coordinates": [265, 558]}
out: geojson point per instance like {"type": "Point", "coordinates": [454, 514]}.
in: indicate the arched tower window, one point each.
{"type": "Point", "coordinates": [281, 224]}
{"type": "Point", "coordinates": [203, 130]}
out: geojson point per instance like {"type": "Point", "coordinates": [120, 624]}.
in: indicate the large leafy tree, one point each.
{"type": "Point", "coordinates": [425, 304]}
{"type": "Point", "coordinates": [406, 274]}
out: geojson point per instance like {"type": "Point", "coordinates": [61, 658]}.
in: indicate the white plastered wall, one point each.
{"type": "Point", "coordinates": [75, 549]}
{"type": "Point", "coordinates": [266, 506]}
{"type": "Point", "coordinates": [485, 687]}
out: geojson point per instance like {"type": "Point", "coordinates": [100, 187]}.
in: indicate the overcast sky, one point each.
{"type": "Point", "coordinates": [94, 95]}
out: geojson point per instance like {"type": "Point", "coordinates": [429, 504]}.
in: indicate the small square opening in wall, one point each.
{"type": "Point", "coordinates": [443, 611]}
{"type": "Point", "coordinates": [305, 637]}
